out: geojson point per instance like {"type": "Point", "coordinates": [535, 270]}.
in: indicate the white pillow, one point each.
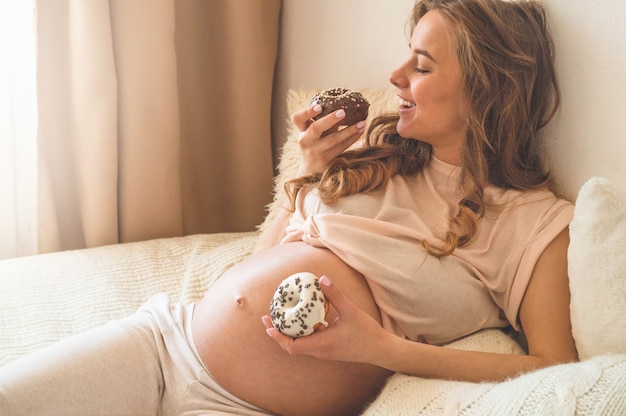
{"type": "Point", "coordinates": [597, 270]}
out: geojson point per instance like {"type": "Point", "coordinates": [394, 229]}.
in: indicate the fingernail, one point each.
{"type": "Point", "coordinates": [340, 114]}
{"type": "Point", "coordinates": [360, 125]}
{"type": "Point", "coordinates": [317, 108]}
{"type": "Point", "coordinates": [325, 281]}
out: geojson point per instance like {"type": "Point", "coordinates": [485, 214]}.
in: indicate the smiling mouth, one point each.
{"type": "Point", "coordinates": [406, 104]}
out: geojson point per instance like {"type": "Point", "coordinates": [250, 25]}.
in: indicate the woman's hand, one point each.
{"type": "Point", "coordinates": [353, 336]}
{"type": "Point", "coordinates": [320, 141]}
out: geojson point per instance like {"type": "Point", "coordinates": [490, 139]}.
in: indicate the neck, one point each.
{"type": "Point", "coordinates": [448, 155]}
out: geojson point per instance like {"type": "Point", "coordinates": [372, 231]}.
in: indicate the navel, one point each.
{"type": "Point", "coordinates": [241, 302]}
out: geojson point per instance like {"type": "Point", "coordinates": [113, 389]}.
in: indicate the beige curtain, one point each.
{"type": "Point", "coordinates": [154, 118]}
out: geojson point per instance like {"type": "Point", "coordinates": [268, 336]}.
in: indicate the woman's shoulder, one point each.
{"type": "Point", "coordinates": [500, 197]}
{"type": "Point", "coordinates": [527, 205]}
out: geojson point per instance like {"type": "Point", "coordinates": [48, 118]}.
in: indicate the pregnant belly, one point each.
{"type": "Point", "coordinates": [232, 342]}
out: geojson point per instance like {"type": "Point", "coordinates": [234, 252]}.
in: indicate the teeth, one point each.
{"type": "Point", "coordinates": [405, 103]}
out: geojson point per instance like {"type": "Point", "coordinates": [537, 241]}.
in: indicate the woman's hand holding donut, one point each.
{"type": "Point", "coordinates": [317, 151]}
{"type": "Point", "coordinates": [354, 336]}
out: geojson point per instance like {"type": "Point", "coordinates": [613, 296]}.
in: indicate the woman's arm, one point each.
{"type": "Point", "coordinates": [544, 316]}
{"type": "Point", "coordinates": [316, 152]}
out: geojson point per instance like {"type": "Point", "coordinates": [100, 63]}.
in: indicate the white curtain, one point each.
{"type": "Point", "coordinates": [77, 125]}
{"type": "Point", "coordinates": [18, 133]}
{"type": "Point", "coordinates": [153, 120]}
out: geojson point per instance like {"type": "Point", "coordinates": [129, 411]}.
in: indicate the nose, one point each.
{"type": "Point", "coordinates": [398, 78]}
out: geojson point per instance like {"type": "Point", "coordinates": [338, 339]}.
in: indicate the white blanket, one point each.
{"type": "Point", "coordinates": [48, 297]}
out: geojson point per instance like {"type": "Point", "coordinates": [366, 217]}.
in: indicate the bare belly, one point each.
{"type": "Point", "coordinates": [232, 342]}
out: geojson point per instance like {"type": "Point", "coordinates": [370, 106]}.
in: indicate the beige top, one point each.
{"type": "Point", "coordinates": [421, 297]}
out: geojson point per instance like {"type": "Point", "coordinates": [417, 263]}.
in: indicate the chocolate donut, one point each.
{"type": "Point", "coordinates": [352, 102]}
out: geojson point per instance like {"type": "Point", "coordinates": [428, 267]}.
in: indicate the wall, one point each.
{"type": "Point", "coordinates": [588, 138]}
{"type": "Point", "coordinates": [356, 43]}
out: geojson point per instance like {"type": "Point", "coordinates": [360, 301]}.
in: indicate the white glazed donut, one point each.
{"type": "Point", "coordinates": [299, 305]}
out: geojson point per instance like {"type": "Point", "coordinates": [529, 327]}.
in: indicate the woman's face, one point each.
{"type": "Point", "coordinates": [430, 87]}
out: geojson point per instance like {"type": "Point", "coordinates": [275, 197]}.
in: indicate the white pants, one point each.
{"type": "Point", "coordinates": [142, 365]}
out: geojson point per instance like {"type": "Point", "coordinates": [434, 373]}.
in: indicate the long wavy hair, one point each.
{"type": "Point", "coordinates": [506, 53]}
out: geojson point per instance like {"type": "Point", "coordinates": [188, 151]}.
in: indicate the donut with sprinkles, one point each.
{"type": "Point", "coordinates": [299, 306]}
{"type": "Point", "coordinates": [352, 102]}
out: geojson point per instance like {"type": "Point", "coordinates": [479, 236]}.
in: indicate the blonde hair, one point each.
{"type": "Point", "coordinates": [506, 53]}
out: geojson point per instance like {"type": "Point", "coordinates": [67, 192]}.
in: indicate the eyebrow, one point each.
{"type": "Point", "coordinates": [425, 53]}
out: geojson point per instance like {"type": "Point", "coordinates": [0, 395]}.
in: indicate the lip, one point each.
{"type": "Point", "coordinates": [405, 106]}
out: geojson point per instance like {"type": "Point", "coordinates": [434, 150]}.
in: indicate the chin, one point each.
{"type": "Point", "coordinates": [402, 130]}
{"type": "Point", "coordinates": [405, 132]}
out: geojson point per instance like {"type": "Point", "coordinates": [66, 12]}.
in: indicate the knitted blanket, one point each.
{"type": "Point", "coordinates": [593, 387]}
{"type": "Point", "coordinates": [48, 297]}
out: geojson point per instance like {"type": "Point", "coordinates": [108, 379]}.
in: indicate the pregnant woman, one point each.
{"type": "Point", "coordinates": [442, 225]}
